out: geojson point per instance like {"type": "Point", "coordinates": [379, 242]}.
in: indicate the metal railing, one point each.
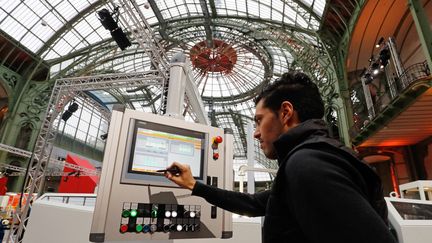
{"type": "Point", "coordinates": [398, 84]}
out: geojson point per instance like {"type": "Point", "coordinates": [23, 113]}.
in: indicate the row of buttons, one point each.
{"type": "Point", "coordinates": [154, 214]}
{"type": "Point", "coordinates": [151, 228]}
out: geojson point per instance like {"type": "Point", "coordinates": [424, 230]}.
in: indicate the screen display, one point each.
{"type": "Point", "coordinates": [157, 146]}
{"type": "Point", "coordinates": [413, 211]}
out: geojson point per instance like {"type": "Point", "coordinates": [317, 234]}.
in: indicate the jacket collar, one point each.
{"type": "Point", "coordinates": [296, 135]}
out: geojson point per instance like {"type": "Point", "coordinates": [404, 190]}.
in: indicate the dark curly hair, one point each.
{"type": "Point", "coordinates": [297, 88]}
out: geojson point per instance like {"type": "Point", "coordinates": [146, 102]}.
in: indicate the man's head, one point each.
{"type": "Point", "coordinates": [290, 100]}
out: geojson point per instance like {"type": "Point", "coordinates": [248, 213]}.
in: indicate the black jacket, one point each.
{"type": "Point", "coordinates": [322, 193]}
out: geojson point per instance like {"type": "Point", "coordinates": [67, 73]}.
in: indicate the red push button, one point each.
{"type": "Point", "coordinates": [218, 139]}
{"type": "Point", "coordinates": [123, 228]}
{"type": "Point", "coordinates": [215, 156]}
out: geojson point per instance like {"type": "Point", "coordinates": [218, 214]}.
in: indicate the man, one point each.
{"type": "Point", "coordinates": [322, 192]}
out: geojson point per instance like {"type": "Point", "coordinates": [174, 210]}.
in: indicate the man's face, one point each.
{"type": "Point", "coordinates": [268, 129]}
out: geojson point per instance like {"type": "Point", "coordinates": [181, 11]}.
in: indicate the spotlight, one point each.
{"type": "Point", "coordinates": [375, 68]}
{"type": "Point", "coordinates": [108, 22]}
{"type": "Point", "coordinates": [120, 38]}
{"type": "Point", "coordinates": [384, 56]}
{"type": "Point", "coordinates": [71, 109]}
{"type": "Point", "coordinates": [379, 42]}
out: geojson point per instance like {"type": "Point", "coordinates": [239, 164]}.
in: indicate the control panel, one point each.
{"type": "Point", "coordinates": [135, 202]}
{"type": "Point", "coordinates": [151, 218]}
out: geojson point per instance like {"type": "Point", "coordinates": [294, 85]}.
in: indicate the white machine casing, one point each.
{"type": "Point", "coordinates": [113, 192]}
{"type": "Point", "coordinates": [416, 225]}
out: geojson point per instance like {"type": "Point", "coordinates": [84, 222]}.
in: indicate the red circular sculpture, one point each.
{"type": "Point", "coordinates": [220, 58]}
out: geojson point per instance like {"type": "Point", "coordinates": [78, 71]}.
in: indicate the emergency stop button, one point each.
{"type": "Point", "coordinates": [218, 139]}
{"type": "Point", "coordinates": [123, 228]}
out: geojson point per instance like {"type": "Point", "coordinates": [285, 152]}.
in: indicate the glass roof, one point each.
{"type": "Point", "coordinates": [251, 43]}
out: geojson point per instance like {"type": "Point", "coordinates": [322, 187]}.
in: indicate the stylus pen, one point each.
{"type": "Point", "coordinates": [173, 170]}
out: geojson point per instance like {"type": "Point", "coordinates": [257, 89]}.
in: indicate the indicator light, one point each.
{"type": "Point", "coordinates": [139, 228]}
{"type": "Point", "coordinates": [126, 214]}
{"type": "Point", "coordinates": [154, 212]}
{"type": "Point", "coordinates": [133, 213]}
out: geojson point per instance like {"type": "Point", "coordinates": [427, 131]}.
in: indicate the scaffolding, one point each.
{"type": "Point", "coordinates": [66, 89]}
{"type": "Point", "coordinates": [20, 171]}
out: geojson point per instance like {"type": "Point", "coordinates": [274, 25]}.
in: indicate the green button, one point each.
{"type": "Point", "coordinates": [139, 228]}
{"type": "Point", "coordinates": [133, 213]}
{"type": "Point", "coordinates": [126, 214]}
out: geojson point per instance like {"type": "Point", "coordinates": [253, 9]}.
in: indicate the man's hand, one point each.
{"type": "Point", "coordinates": [184, 178]}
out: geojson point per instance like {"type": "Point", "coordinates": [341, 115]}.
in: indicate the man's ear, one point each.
{"type": "Point", "coordinates": [286, 111]}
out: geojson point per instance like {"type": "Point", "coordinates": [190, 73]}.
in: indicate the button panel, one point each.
{"type": "Point", "coordinates": [152, 217]}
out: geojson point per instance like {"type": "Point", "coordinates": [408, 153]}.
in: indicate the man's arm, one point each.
{"type": "Point", "coordinates": [326, 196]}
{"type": "Point", "coordinates": [251, 205]}
{"type": "Point", "coordinates": [241, 203]}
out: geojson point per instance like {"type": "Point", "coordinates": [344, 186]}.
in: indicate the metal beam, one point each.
{"type": "Point", "coordinates": [307, 8]}
{"type": "Point", "coordinates": [238, 122]}
{"type": "Point", "coordinates": [27, 154]}
{"type": "Point", "coordinates": [160, 19]}
{"type": "Point", "coordinates": [268, 23]}
{"type": "Point", "coordinates": [109, 81]}
{"type": "Point", "coordinates": [213, 8]}
{"type": "Point", "coordinates": [21, 47]}
{"type": "Point", "coordinates": [340, 16]}
{"type": "Point", "coordinates": [422, 23]}
{"type": "Point", "coordinates": [207, 23]}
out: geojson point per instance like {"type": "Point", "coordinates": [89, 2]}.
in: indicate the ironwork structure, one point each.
{"type": "Point", "coordinates": [261, 40]}
{"type": "Point", "coordinates": [64, 88]}
{"type": "Point", "coordinates": [20, 171]}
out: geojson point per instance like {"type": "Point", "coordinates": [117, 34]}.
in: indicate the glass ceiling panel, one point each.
{"type": "Point", "coordinates": [34, 22]}
{"type": "Point", "coordinates": [147, 12]}
{"type": "Point", "coordinates": [31, 41]}
{"type": "Point", "coordinates": [277, 15]}
{"type": "Point", "coordinates": [271, 10]}
{"type": "Point", "coordinates": [13, 28]}
{"type": "Point", "coordinates": [241, 5]}
{"type": "Point", "coordinates": [317, 5]}
{"type": "Point", "coordinates": [3, 14]}
{"type": "Point", "coordinates": [87, 31]}
{"type": "Point", "coordinates": [105, 57]}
